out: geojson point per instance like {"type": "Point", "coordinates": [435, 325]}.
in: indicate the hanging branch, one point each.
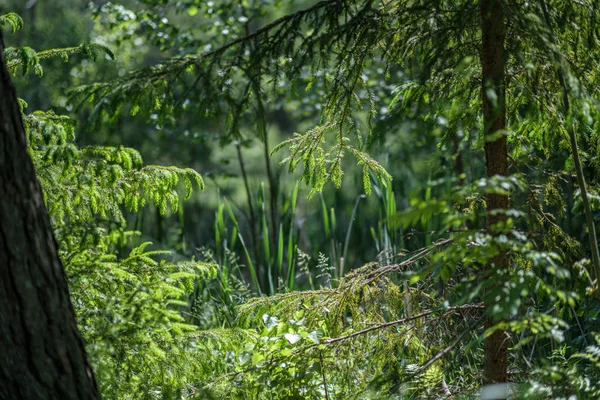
{"type": "Point", "coordinates": [447, 349]}
{"type": "Point", "coordinates": [560, 72]}
{"type": "Point", "coordinates": [449, 310]}
{"type": "Point", "coordinates": [419, 255]}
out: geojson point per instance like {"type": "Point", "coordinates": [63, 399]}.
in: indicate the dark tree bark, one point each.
{"type": "Point", "coordinates": [41, 352]}
{"type": "Point", "coordinates": [496, 162]}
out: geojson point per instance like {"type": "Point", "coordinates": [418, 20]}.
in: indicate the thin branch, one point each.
{"type": "Point", "coordinates": [419, 255]}
{"type": "Point", "coordinates": [447, 349]}
{"type": "Point", "coordinates": [284, 296]}
{"type": "Point", "coordinates": [264, 29]}
{"type": "Point", "coordinates": [323, 374]}
{"type": "Point", "coordinates": [44, 54]}
{"type": "Point", "coordinates": [561, 74]}
{"type": "Point", "coordinates": [449, 310]}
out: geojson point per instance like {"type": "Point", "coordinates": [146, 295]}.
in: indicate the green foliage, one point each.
{"type": "Point", "coordinates": [13, 20]}
{"type": "Point", "coordinates": [128, 308]}
{"type": "Point", "coordinates": [28, 59]}
{"type": "Point", "coordinates": [273, 312]}
{"type": "Point", "coordinates": [81, 183]}
{"type": "Point", "coordinates": [566, 377]}
{"type": "Point", "coordinates": [321, 167]}
{"type": "Point", "coordinates": [228, 81]}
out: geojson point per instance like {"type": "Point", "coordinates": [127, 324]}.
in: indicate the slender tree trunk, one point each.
{"type": "Point", "coordinates": [42, 353]}
{"type": "Point", "coordinates": [496, 163]}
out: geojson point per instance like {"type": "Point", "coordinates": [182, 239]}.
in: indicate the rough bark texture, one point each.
{"type": "Point", "coordinates": [41, 353]}
{"type": "Point", "coordinates": [496, 162]}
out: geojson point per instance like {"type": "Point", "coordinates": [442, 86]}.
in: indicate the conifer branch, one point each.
{"type": "Point", "coordinates": [28, 58]}
{"type": "Point", "coordinates": [561, 74]}
{"type": "Point", "coordinates": [449, 348]}
{"type": "Point", "coordinates": [448, 311]}
{"type": "Point", "coordinates": [419, 255]}
{"type": "Point", "coordinates": [272, 25]}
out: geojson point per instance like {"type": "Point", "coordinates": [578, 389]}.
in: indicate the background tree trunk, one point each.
{"type": "Point", "coordinates": [43, 356]}
{"type": "Point", "coordinates": [496, 163]}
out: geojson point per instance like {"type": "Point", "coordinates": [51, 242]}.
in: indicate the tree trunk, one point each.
{"type": "Point", "coordinates": [496, 163]}
{"type": "Point", "coordinates": [43, 356]}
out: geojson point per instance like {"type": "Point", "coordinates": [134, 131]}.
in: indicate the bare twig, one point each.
{"type": "Point", "coordinates": [402, 321]}
{"type": "Point", "coordinates": [448, 311]}
{"type": "Point", "coordinates": [446, 389]}
{"type": "Point", "coordinates": [283, 296]}
{"type": "Point", "coordinates": [447, 349]}
{"type": "Point", "coordinates": [419, 255]}
{"type": "Point", "coordinates": [323, 374]}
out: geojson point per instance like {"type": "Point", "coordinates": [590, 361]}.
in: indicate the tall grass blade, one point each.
{"type": "Point", "coordinates": [236, 227]}
{"type": "Point", "coordinates": [291, 264]}
{"type": "Point", "coordinates": [280, 254]}
{"type": "Point", "coordinates": [325, 217]}
{"type": "Point", "coordinates": [347, 241]}
{"type": "Point", "coordinates": [266, 245]}
{"type": "Point", "coordinates": [250, 266]}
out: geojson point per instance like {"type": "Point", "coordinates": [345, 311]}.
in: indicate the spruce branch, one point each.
{"type": "Point", "coordinates": [419, 254]}
{"type": "Point", "coordinates": [562, 75]}
{"type": "Point", "coordinates": [423, 314]}
{"type": "Point", "coordinates": [261, 31]}
{"type": "Point", "coordinates": [12, 19]}
{"type": "Point", "coordinates": [27, 58]}
{"type": "Point", "coordinates": [448, 348]}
